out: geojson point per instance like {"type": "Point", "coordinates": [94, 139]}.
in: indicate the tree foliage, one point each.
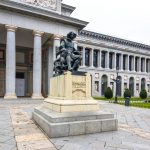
{"type": "Point", "coordinates": [143, 94]}
{"type": "Point", "coordinates": [108, 93]}
{"type": "Point", "coordinates": [127, 93]}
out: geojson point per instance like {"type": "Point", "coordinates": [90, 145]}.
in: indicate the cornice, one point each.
{"type": "Point", "coordinates": [41, 13]}
{"type": "Point", "coordinates": [107, 38]}
{"type": "Point", "coordinates": [68, 7]}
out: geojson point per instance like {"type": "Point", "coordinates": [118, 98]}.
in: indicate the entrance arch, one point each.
{"type": "Point", "coordinates": [104, 82]}
{"type": "Point", "coordinates": [131, 85]}
{"type": "Point", "coordinates": [119, 89]}
{"type": "Point", "coordinates": [143, 83]}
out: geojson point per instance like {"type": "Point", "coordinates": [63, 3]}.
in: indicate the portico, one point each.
{"type": "Point", "coordinates": [28, 41]}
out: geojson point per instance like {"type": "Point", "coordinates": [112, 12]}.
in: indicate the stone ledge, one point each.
{"type": "Point", "coordinates": [71, 105]}
{"type": "Point", "coordinates": [56, 117]}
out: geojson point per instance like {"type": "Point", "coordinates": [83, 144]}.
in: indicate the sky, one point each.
{"type": "Point", "coordinates": [127, 19]}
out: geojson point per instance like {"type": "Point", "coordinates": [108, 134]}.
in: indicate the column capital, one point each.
{"type": "Point", "coordinates": [37, 33]}
{"type": "Point", "coordinates": [57, 36]}
{"type": "Point", "coordinates": [76, 39]}
{"type": "Point", "coordinates": [11, 28]}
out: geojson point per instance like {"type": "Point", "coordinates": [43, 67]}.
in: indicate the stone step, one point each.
{"type": "Point", "coordinates": [56, 117]}
{"type": "Point", "coordinates": [69, 124]}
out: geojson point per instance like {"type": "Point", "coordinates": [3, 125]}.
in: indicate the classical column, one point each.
{"type": "Point", "coordinates": [122, 87]}
{"type": "Point", "coordinates": [75, 43]}
{"type": "Point", "coordinates": [100, 85]}
{"type": "Point", "coordinates": [121, 62]}
{"type": "Point", "coordinates": [145, 65]}
{"type": "Point", "coordinates": [133, 64]}
{"type": "Point", "coordinates": [56, 44]}
{"type": "Point", "coordinates": [148, 65]}
{"type": "Point", "coordinates": [114, 61]}
{"type": "Point", "coordinates": [10, 63]}
{"type": "Point", "coordinates": [92, 51]}
{"type": "Point", "coordinates": [127, 62]}
{"type": "Point", "coordinates": [83, 57]}
{"type": "Point", "coordinates": [107, 60]}
{"type": "Point", "coordinates": [37, 65]}
{"type": "Point", "coordinates": [139, 64]}
{"type": "Point", "coordinates": [139, 85]}
{"type": "Point", "coordinates": [99, 59]}
{"type": "Point", "coordinates": [135, 87]}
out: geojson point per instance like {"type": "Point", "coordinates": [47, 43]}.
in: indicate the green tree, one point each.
{"type": "Point", "coordinates": [108, 93]}
{"type": "Point", "coordinates": [127, 93]}
{"type": "Point", "coordinates": [143, 94]}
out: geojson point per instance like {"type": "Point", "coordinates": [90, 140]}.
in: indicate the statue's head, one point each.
{"type": "Point", "coordinates": [71, 35]}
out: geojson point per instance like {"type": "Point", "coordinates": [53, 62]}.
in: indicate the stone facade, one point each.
{"type": "Point", "coordinates": [29, 35]}
{"type": "Point", "coordinates": [104, 56]}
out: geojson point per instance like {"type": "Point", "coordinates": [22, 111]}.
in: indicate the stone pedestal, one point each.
{"type": "Point", "coordinates": [74, 123]}
{"type": "Point", "coordinates": [70, 109]}
{"type": "Point", "coordinates": [70, 93]}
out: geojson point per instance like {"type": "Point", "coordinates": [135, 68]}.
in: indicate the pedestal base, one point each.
{"type": "Point", "coordinates": [10, 96]}
{"type": "Point", "coordinates": [39, 97]}
{"type": "Point", "coordinates": [76, 123]}
{"type": "Point", "coordinates": [71, 105]}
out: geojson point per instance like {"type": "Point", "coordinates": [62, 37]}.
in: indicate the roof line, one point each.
{"type": "Point", "coordinates": [113, 39]}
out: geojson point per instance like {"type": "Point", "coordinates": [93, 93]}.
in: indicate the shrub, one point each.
{"type": "Point", "coordinates": [108, 93]}
{"type": "Point", "coordinates": [143, 94]}
{"type": "Point", "coordinates": [127, 93]}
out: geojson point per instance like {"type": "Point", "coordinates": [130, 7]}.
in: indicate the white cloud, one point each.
{"type": "Point", "coordinates": [128, 19]}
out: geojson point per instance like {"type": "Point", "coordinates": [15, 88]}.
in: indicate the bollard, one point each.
{"type": "Point", "coordinates": [127, 101]}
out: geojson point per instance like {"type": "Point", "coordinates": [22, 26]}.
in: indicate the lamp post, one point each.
{"type": "Point", "coordinates": [117, 81]}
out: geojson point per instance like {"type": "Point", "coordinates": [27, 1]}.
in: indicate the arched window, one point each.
{"type": "Point", "coordinates": [119, 86]}
{"type": "Point", "coordinates": [131, 85]}
{"type": "Point", "coordinates": [104, 84]}
{"type": "Point", "coordinates": [143, 82]}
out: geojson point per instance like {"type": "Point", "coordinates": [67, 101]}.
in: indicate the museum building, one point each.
{"type": "Point", "coordinates": [30, 32]}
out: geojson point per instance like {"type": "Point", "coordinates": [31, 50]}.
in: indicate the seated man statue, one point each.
{"type": "Point", "coordinates": [70, 57]}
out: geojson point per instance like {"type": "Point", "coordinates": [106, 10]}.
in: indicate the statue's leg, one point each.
{"type": "Point", "coordinates": [76, 64]}
{"type": "Point", "coordinates": [68, 59]}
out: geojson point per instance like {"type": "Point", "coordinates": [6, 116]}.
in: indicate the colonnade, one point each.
{"type": "Point", "coordinates": [10, 92]}
{"type": "Point", "coordinates": [118, 60]}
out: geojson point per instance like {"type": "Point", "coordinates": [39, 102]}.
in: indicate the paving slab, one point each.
{"type": "Point", "coordinates": [133, 132]}
{"type": "Point", "coordinates": [20, 132]}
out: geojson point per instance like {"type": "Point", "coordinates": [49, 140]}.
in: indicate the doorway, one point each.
{"type": "Point", "coordinates": [20, 84]}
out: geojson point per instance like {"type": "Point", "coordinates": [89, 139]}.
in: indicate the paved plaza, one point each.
{"type": "Point", "coordinates": [19, 132]}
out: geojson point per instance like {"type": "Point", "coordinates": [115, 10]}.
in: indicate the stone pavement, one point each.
{"type": "Point", "coordinates": [7, 139]}
{"type": "Point", "coordinates": [133, 132]}
{"type": "Point", "coordinates": [18, 131]}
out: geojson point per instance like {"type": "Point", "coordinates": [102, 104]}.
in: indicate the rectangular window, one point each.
{"type": "Point", "coordinates": [125, 86]}
{"type": "Point", "coordinates": [148, 85]}
{"type": "Point", "coordinates": [1, 54]}
{"type": "Point", "coordinates": [97, 86]}
{"type": "Point", "coordinates": [20, 57]}
{"type": "Point", "coordinates": [112, 86]}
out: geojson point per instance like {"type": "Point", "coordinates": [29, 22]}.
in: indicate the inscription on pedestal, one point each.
{"type": "Point", "coordinates": [79, 88]}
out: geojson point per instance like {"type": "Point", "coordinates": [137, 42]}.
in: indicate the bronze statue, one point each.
{"type": "Point", "coordinates": [69, 57]}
